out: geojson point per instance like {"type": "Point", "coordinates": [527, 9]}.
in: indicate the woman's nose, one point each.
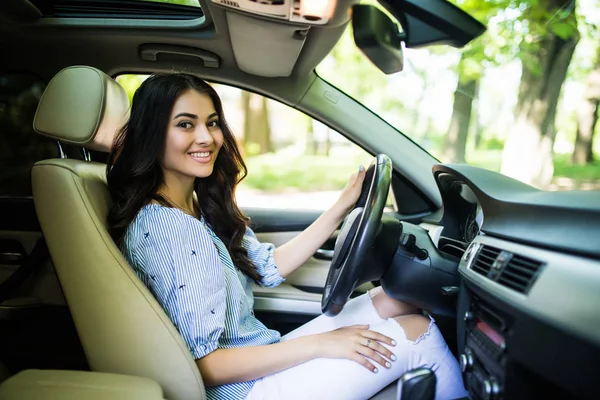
{"type": "Point", "coordinates": [203, 136]}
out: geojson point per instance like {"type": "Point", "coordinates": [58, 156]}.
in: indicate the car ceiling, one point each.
{"type": "Point", "coordinates": [46, 45]}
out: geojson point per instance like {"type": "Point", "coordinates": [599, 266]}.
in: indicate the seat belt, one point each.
{"type": "Point", "coordinates": [38, 255]}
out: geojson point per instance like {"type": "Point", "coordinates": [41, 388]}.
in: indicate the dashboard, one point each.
{"type": "Point", "coordinates": [528, 315]}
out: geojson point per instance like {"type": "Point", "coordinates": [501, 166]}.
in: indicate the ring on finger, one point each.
{"type": "Point", "coordinates": [368, 342]}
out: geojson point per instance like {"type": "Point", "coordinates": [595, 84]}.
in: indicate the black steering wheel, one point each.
{"type": "Point", "coordinates": [357, 237]}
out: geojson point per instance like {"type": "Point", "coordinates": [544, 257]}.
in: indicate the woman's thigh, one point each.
{"type": "Point", "coordinates": [333, 379]}
{"type": "Point", "coordinates": [358, 311]}
{"type": "Point", "coordinates": [342, 379]}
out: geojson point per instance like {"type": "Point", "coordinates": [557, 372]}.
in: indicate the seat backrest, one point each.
{"type": "Point", "coordinates": [122, 327]}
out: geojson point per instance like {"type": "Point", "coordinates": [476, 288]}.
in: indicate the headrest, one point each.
{"type": "Point", "coordinates": [82, 106]}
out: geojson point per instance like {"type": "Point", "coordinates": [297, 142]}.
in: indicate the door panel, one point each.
{"type": "Point", "coordinates": [312, 274]}
{"type": "Point", "coordinates": [300, 294]}
{"type": "Point", "coordinates": [272, 220]}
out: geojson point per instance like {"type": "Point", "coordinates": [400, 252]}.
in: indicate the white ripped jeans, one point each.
{"type": "Point", "coordinates": [342, 379]}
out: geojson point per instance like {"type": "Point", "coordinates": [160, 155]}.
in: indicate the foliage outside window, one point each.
{"type": "Point", "coordinates": [522, 99]}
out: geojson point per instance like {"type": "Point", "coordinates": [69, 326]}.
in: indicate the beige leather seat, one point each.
{"type": "Point", "coordinates": [121, 326]}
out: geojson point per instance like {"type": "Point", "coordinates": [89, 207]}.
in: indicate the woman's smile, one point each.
{"type": "Point", "coordinates": [201, 157]}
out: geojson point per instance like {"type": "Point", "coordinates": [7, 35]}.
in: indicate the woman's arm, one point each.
{"type": "Point", "coordinates": [242, 364]}
{"type": "Point", "coordinates": [293, 254]}
{"type": "Point", "coordinates": [224, 366]}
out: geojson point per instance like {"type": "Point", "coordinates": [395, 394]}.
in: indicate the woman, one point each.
{"type": "Point", "coordinates": [172, 176]}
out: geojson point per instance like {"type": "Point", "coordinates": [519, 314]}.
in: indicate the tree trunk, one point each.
{"type": "Point", "coordinates": [528, 150]}
{"type": "Point", "coordinates": [587, 117]}
{"type": "Point", "coordinates": [456, 138]}
{"type": "Point", "coordinates": [476, 110]}
{"type": "Point", "coordinates": [311, 144]}
{"type": "Point", "coordinates": [264, 127]}
{"type": "Point", "coordinates": [257, 132]}
{"type": "Point", "coordinates": [328, 141]}
{"type": "Point", "coordinates": [245, 99]}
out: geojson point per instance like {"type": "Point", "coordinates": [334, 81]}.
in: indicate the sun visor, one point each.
{"type": "Point", "coordinates": [265, 48]}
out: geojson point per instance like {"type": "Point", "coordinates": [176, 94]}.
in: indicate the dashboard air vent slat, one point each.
{"type": "Point", "coordinates": [516, 277]}
{"type": "Point", "coordinates": [485, 259]}
{"type": "Point", "coordinates": [520, 269]}
{"type": "Point", "coordinates": [520, 273]}
{"type": "Point", "coordinates": [510, 270]}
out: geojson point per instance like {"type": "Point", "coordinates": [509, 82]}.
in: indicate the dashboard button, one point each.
{"type": "Point", "coordinates": [466, 361]}
{"type": "Point", "coordinates": [491, 389]}
{"type": "Point", "coordinates": [469, 317]}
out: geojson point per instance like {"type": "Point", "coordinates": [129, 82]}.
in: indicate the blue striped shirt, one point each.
{"type": "Point", "coordinates": [190, 272]}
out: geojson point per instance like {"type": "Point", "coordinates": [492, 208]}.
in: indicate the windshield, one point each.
{"type": "Point", "coordinates": [522, 99]}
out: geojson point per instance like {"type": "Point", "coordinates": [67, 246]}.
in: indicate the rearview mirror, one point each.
{"type": "Point", "coordinates": [378, 37]}
{"type": "Point", "coordinates": [420, 23]}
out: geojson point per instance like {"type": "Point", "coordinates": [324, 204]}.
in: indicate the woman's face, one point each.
{"type": "Point", "coordinates": [194, 137]}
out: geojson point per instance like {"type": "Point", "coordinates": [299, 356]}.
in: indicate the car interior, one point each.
{"type": "Point", "coordinates": [510, 273]}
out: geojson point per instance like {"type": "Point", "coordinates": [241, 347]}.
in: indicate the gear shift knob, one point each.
{"type": "Point", "coordinates": [416, 384]}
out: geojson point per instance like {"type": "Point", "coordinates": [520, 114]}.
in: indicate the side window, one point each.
{"type": "Point", "coordinates": [294, 161]}
{"type": "Point", "coordinates": [20, 145]}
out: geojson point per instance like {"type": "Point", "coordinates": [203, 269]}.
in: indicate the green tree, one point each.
{"type": "Point", "coordinates": [257, 130]}
{"type": "Point", "coordinates": [489, 49]}
{"type": "Point", "coordinates": [311, 146]}
{"type": "Point", "coordinates": [545, 50]}
{"type": "Point", "coordinates": [587, 117]}
{"type": "Point", "coordinates": [456, 138]}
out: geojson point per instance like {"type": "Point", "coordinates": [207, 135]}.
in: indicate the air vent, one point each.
{"type": "Point", "coordinates": [117, 9]}
{"type": "Point", "coordinates": [230, 3]}
{"type": "Point", "coordinates": [485, 260]}
{"type": "Point", "coordinates": [510, 270]}
{"type": "Point", "coordinates": [520, 273]}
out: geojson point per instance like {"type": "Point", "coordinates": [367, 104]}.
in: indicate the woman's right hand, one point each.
{"type": "Point", "coordinates": [356, 343]}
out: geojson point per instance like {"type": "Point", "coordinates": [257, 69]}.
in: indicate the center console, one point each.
{"type": "Point", "coordinates": [528, 322]}
{"type": "Point", "coordinates": [484, 358]}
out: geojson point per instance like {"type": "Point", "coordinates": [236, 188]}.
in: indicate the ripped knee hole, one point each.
{"type": "Point", "coordinates": [414, 325]}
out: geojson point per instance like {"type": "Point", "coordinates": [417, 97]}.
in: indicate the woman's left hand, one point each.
{"type": "Point", "coordinates": [351, 192]}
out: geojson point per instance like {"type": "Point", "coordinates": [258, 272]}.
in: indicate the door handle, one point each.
{"type": "Point", "coordinates": [11, 258]}
{"type": "Point", "coordinates": [323, 254]}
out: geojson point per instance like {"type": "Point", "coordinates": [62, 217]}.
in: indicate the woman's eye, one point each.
{"type": "Point", "coordinates": [213, 124]}
{"type": "Point", "coordinates": [185, 125]}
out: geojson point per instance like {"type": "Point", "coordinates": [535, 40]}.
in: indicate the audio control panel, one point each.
{"type": "Point", "coordinates": [483, 360]}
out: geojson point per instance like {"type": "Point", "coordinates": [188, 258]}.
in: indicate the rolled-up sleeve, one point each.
{"type": "Point", "coordinates": [262, 255]}
{"type": "Point", "coordinates": [182, 270]}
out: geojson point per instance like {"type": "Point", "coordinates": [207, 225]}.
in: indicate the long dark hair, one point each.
{"type": "Point", "coordinates": [134, 171]}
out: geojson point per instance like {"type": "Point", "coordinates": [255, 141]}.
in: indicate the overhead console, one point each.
{"type": "Point", "coordinates": [267, 36]}
{"type": "Point", "coordinates": [308, 12]}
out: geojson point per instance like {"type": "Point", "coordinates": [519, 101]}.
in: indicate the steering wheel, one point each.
{"type": "Point", "coordinates": [357, 237]}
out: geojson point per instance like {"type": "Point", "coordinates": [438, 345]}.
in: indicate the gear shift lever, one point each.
{"type": "Point", "coordinates": [417, 384]}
